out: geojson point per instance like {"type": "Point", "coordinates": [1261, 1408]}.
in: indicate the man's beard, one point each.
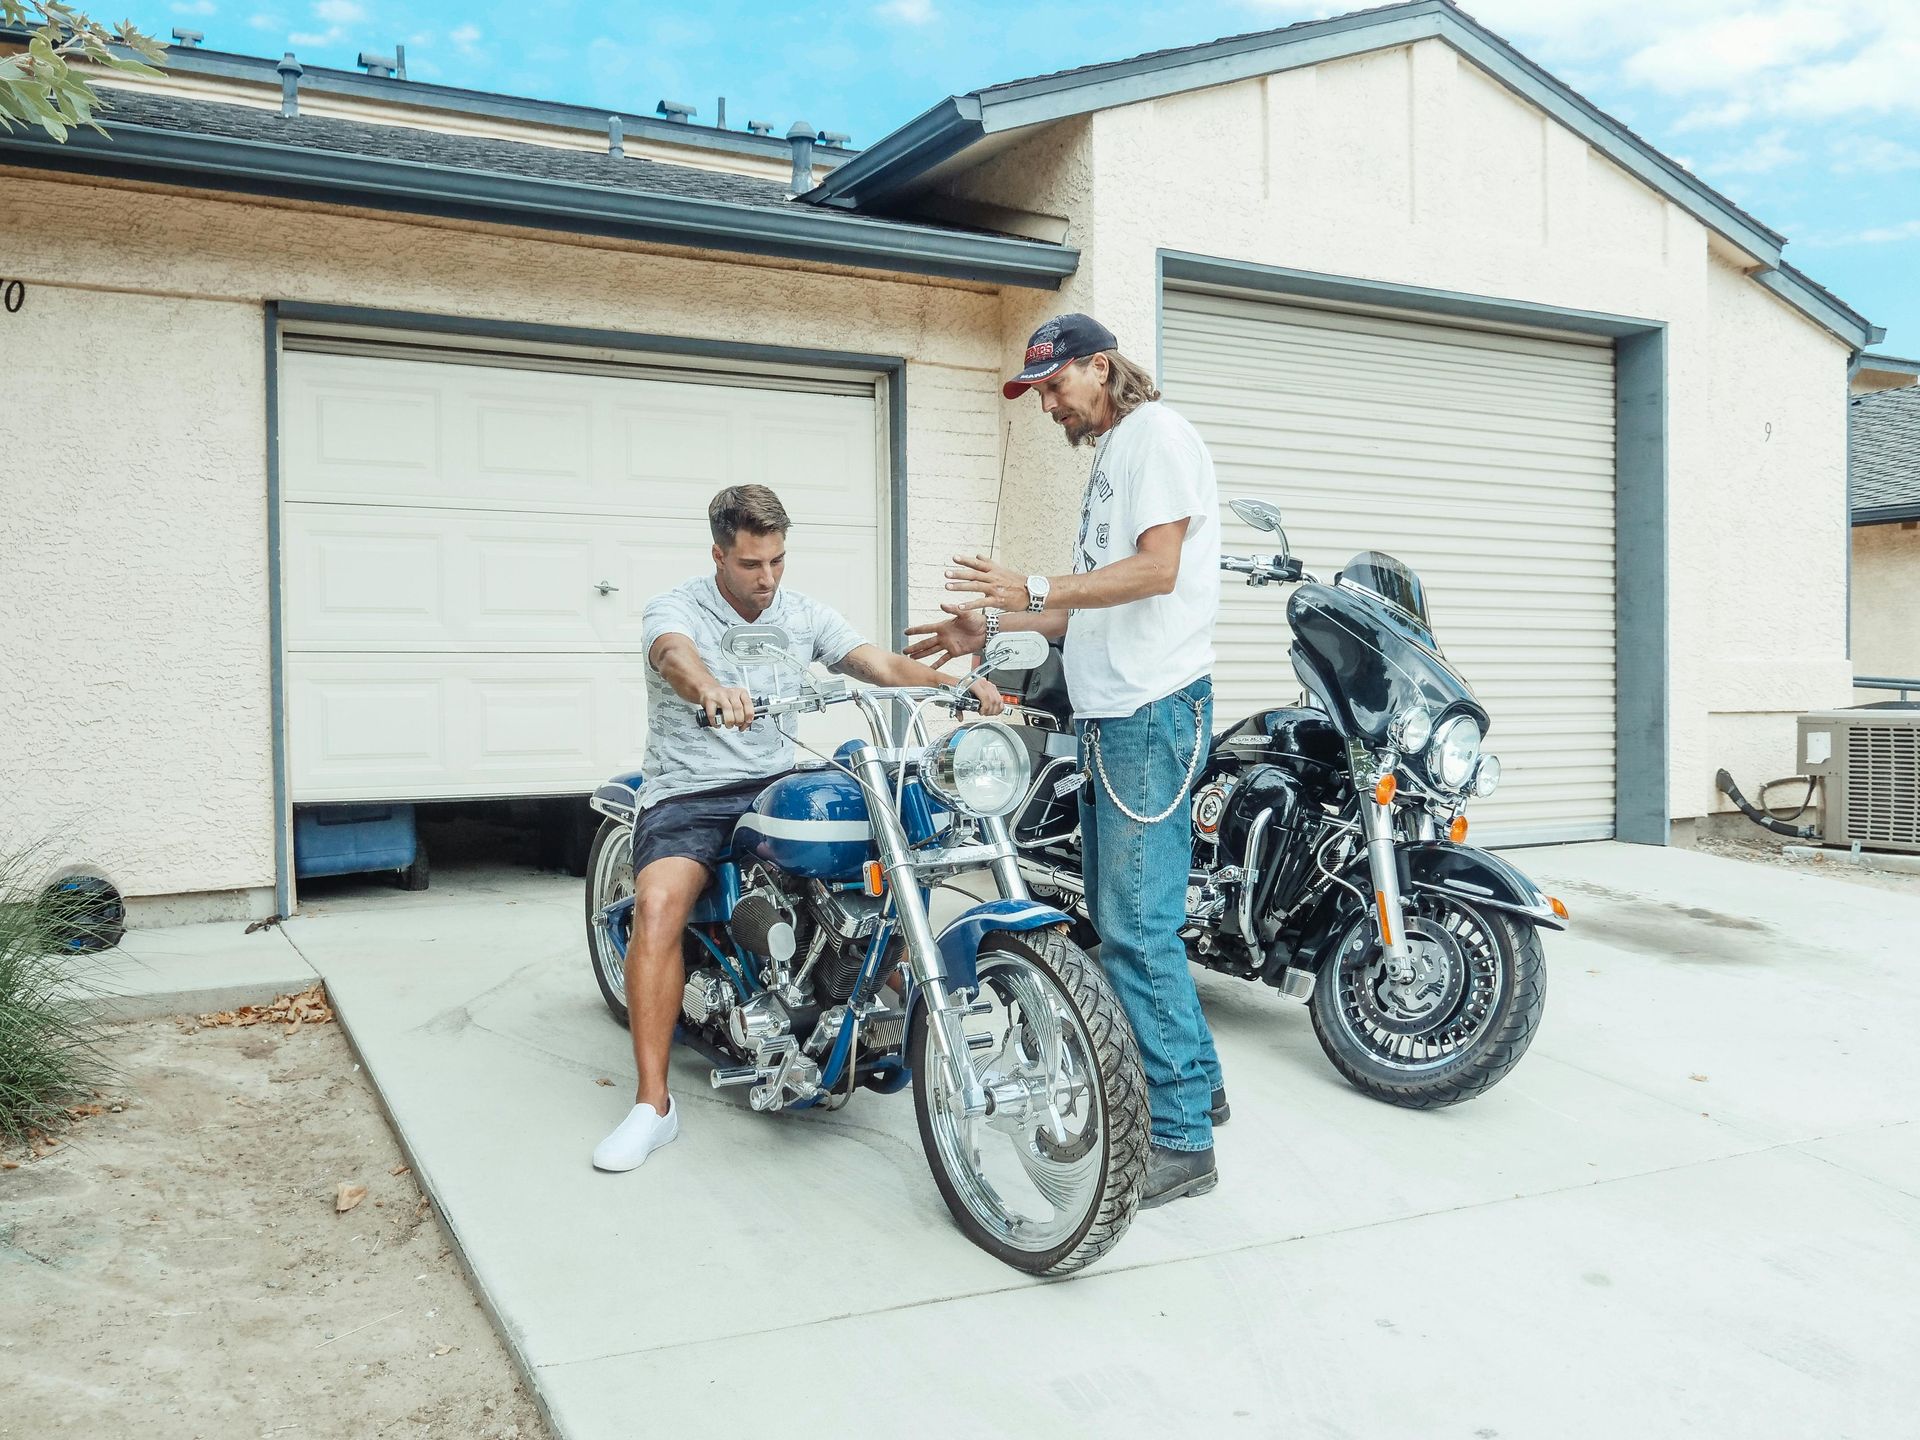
{"type": "Point", "coordinates": [1079, 432]}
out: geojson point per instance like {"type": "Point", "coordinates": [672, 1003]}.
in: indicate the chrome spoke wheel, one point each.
{"type": "Point", "coordinates": [609, 882]}
{"type": "Point", "coordinates": [1031, 1169]}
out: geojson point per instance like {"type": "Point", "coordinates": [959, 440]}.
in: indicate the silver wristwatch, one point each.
{"type": "Point", "coordinates": [992, 619]}
{"type": "Point", "coordinates": [1037, 588]}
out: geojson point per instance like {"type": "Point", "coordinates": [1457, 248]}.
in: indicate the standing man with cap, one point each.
{"type": "Point", "coordinates": [1137, 614]}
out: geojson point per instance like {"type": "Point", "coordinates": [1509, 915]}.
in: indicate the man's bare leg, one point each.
{"type": "Point", "coordinates": [663, 896]}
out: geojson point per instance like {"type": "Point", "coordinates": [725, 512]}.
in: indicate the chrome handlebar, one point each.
{"type": "Point", "coordinates": [1266, 569]}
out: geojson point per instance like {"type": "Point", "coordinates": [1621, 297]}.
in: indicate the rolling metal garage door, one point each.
{"type": "Point", "coordinates": [470, 543]}
{"type": "Point", "coordinates": [1484, 459]}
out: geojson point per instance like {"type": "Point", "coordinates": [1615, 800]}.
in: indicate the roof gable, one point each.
{"type": "Point", "coordinates": [890, 171]}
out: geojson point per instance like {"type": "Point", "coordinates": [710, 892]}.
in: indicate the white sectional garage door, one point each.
{"type": "Point", "coordinates": [1483, 459]}
{"type": "Point", "coordinates": [469, 544]}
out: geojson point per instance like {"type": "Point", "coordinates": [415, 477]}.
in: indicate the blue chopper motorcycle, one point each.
{"type": "Point", "coordinates": [813, 966]}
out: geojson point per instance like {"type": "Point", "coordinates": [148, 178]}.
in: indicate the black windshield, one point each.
{"type": "Point", "coordinates": [1391, 580]}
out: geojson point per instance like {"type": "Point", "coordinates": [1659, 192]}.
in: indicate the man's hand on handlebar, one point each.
{"type": "Point", "coordinates": [727, 705]}
{"type": "Point", "coordinates": [986, 698]}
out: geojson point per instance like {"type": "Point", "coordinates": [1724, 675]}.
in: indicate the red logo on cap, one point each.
{"type": "Point", "coordinates": [1042, 351]}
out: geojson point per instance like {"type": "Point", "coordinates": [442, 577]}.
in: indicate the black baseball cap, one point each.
{"type": "Point", "coordinates": [1055, 345]}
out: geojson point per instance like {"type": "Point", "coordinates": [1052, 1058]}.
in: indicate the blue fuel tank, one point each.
{"type": "Point", "coordinates": [812, 823]}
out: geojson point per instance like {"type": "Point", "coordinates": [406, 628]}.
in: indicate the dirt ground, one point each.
{"type": "Point", "coordinates": [1766, 849]}
{"type": "Point", "coordinates": [178, 1269]}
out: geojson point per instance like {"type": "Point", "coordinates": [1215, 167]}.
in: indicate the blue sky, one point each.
{"type": "Point", "coordinates": [1806, 112]}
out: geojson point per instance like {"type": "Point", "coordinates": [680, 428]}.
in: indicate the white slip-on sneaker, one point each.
{"type": "Point", "coordinates": [644, 1131]}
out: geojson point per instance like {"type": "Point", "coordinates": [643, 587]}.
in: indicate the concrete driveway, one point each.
{"type": "Point", "coordinates": [1694, 1208]}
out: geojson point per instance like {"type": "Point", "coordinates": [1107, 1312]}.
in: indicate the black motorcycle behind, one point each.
{"type": "Point", "coordinates": [1326, 854]}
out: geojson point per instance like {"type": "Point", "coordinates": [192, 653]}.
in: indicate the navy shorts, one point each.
{"type": "Point", "coordinates": [693, 827]}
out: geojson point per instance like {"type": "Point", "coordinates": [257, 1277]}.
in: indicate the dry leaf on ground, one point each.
{"type": "Point", "coordinates": [1696, 1077]}
{"type": "Point", "coordinates": [309, 1007]}
{"type": "Point", "coordinates": [603, 1080]}
{"type": "Point", "coordinates": [348, 1196]}
{"type": "Point", "coordinates": [398, 1170]}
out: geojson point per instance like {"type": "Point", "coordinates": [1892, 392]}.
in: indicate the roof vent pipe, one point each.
{"type": "Point", "coordinates": [378, 66]}
{"type": "Point", "coordinates": [834, 137]}
{"type": "Point", "coordinates": [720, 114]}
{"type": "Point", "coordinates": [290, 72]}
{"type": "Point", "coordinates": [800, 136]}
{"type": "Point", "coordinates": [616, 136]}
{"type": "Point", "coordinates": [675, 111]}
{"type": "Point", "coordinates": [760, 127]}
{"type": "Point", "coordinates": [188, 39]}
{"type": "Point", "coordinates": [399, 62]}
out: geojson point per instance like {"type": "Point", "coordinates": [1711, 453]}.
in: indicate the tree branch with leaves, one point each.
{"type": "Point", "coordinates": [47, 84]}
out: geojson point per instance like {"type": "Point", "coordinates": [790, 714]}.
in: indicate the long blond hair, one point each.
{"type": "Point", "coordinates": [1129, 386]}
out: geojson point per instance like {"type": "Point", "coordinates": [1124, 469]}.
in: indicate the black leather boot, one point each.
{"type": "Point", "coordinates": [1221, 1112]}
{"type": "Point", "coordinates": [1172, 1174]}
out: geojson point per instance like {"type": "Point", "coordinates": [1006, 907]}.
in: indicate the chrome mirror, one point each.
{"type": "Point", "coordinates": [1262, 516]}
{"type": "Point", "coordinates": [1258, 513]}
{"type": "Point", "coordinates": [746, 644]}
{"type": "Point", "coordinates": [1016, 650]}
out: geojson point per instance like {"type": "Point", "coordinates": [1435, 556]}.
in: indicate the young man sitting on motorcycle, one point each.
{"type": "Point", "coordinates": [699, 781]}
{"type": "Point", "coordinates": [1137, 614]}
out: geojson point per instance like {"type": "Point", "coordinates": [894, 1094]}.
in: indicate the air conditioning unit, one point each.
{"type": "Point", "coordinates": [1869, 763]}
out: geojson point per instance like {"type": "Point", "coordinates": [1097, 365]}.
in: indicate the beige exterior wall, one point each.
{"type": "Point", "coordinates": [1886, 603]}
{"type": "Point", "coordinates": [133, 592]}
{"type": "Point", "coordinates": [1412, 166]}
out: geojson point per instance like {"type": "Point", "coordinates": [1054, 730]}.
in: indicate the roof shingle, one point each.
{"type": "Point", "coordinates": [1883, 452]}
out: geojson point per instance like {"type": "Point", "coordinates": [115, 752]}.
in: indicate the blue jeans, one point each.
{"type": "Point", "coordinates": [1136, 877]}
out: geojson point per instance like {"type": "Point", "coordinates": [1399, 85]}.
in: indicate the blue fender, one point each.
{"type": "Point", "coordinates": [960, 941]}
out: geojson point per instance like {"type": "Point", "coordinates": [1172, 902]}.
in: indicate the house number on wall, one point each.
{"type": "Point", "coordinates": [13, 294]}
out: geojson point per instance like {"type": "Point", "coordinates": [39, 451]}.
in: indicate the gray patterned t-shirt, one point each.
{"type": "Point", "coordinates": [682, 757]}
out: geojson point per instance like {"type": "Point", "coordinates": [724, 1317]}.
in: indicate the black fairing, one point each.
{"type": "Point", "coordinates": [1366, 661]}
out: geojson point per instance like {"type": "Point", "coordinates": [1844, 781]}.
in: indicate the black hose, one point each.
{"type": "Point", "coordinates": [1759, 817]}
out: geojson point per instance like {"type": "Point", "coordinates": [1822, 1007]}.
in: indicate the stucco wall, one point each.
{"type": "Point", "coordinates": [134, 588]}
{"type": "Point", "coordinates": [1412, 166]}
{"type": "Point", "coordinates": [1886, 603]}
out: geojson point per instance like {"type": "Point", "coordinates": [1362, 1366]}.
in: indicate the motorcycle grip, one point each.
{"type": "Point", "coordinates": [705, 721]}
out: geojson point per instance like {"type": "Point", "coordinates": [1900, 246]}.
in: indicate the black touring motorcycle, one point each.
{"type": "Point", "coordinates": [1326, 859]}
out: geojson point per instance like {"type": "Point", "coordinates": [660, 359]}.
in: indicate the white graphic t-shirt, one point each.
{"type": "Point", "coordinates": [1150, 469]}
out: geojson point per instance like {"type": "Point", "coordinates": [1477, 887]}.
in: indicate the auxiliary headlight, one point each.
{"type": "Point", "coordinates": [1411, 729]}
{"type": "Point", "coordinates": [1456, 750]}
{"type": "Point", "coordinates": [977, 770]}
{"type": "Point", "coordinates": [1486, 779]}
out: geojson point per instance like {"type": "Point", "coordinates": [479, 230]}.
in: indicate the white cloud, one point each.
{"type": "Point", "coordinates": [1714, 117]}
{"type": "Point", "coordinates": [466, 37]}
{"type": "Point", "coordinates": [1873, 155]}
{"type": "Point", "coordinates": [1769, 151]}
{"type": "Point", "coordinates": [339, 12]}
{"type": "Point", "coordinates": [193, 7]}
{"type": "Point", "coordinates": [1872, 235]}
{"type": "Point", "coordinates": [264, 21]}
{"type": "Point", "coordinates": [908, 12]}
{"type": "Point", "coordinates": [318, 37]}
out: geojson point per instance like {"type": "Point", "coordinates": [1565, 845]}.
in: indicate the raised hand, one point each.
{"type": "Point", "coordinates": [998, 587]}
{"type": "Point", "coordinates": [961, 636]}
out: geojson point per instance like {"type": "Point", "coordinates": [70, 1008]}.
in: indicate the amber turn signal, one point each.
{"type": "Point", "coordinates": [1384, 791]}
{"type": "Point", "coordinates": [1457, 831]}
{"type": "Point", "coordinates": [874, 878]}
{"type": "Point", "coordinates": [1558, 907]}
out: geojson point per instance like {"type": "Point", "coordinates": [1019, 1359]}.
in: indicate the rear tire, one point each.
{"type": "Point", "coordinates": [1516, 999]}
{"type": "Point", "coordinates": [609, 879]}
{"type": "Point", "coordinates": [1115, 1118]}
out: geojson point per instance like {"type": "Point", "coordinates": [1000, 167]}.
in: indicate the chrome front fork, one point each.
{"type": "Point", "coordinates": [1376, 824]}
{"type": "Point", "coordinates": [945, 1011]}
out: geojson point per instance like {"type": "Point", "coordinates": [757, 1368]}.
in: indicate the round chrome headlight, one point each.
{"type": "Point", "coordinates": [1411, 729]}
{"type": "Point", "coordinates": [1486, 779]}
{"type": "Point", "coordinates": [977, 770]}
{"type": "Point", "coordinates": [1456, 750]}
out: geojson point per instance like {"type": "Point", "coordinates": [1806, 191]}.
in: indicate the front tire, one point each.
{"type": "Point", "coordinates": [1047, 1183]}
{"type": "Point", "coordinates": [609, 879]}
{"type": "Point", "coordinates": [1483, 981]}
